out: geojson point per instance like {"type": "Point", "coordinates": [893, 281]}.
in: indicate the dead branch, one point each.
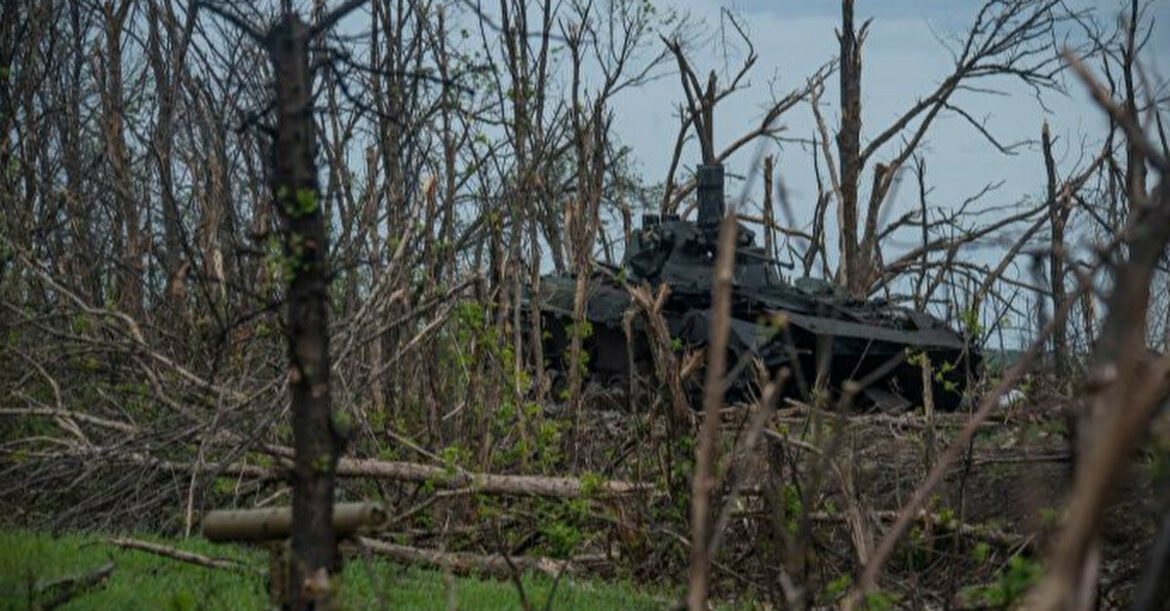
{"type": "Point", "coordinates": [665, 363]}
{"type": "Point", "coordinates": [178, 554]}
{"type": "Point", "coordinates": [745, 455]}
{"type": "Point", "coordinates": [704, 480]}
{"type": "Point", "coordinates": [69, 414]}
{"type": "Point", "coordinates": [485, 483]}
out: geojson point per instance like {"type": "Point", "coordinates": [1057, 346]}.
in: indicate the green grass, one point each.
{"type": "Point", "coordinates": [144, 581]}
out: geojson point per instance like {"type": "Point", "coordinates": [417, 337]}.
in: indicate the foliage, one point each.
{"type": "Point", "coordinates": [142, 269]}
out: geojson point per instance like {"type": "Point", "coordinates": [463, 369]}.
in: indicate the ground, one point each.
{"type": "Point", "coordinates": [993, 517]}
{"type": "Point", "coordinates": [147, 582]}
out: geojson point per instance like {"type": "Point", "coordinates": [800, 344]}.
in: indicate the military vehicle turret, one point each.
{"type": "Point", "coordinates": [811, 326]}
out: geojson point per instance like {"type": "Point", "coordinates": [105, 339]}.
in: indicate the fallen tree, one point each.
{"type": "Point", "coordinates": [485, 483]}
{"type": "Point", "coordinates": [442, 477]}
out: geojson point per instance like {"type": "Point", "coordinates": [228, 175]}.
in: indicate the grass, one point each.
{"type": "Point", "coordinates": [144, 581]}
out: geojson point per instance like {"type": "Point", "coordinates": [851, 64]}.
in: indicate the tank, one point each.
{"type": "Point", "coordinates": [811, 326]}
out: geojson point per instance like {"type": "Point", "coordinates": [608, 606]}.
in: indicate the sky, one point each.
{"type": "Point", "coordinates": [903, 59]}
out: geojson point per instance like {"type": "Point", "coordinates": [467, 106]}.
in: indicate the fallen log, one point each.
{"type": "Point", "coordinates": [442, 477]}
{"type": "Point", "coordinates": [466, 563]}
{"type": "Point", "coordinates": [276, 522]}
{"type": "Point", "coordinates": [486, 483]}
{"type": "Point", "coordinates": [223, 470]}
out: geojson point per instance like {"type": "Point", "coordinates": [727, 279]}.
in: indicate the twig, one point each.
{"type": "Point", "coordinates": [234, 19]}
{"type": "Point", "coordinates": [552, 592]}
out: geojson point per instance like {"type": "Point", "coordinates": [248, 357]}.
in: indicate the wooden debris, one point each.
{"type": "Point", "coordinates": [274, 523]}
{"type": "Point", "coordinates": [488, 483]}
{"type": "Point", "coordinates": [485, 483]}
{"type": "Point", "coordinates": [177, 554]}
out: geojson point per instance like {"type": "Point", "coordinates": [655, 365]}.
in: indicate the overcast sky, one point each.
{"type": "Point", "coordinates": [903, 60]}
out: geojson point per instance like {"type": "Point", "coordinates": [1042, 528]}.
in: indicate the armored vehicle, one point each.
{"type": "Point", "coordinates": [811, 326]}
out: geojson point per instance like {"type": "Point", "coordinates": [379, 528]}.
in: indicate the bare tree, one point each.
{"type": "Point", "coordinates": [1008, 39]}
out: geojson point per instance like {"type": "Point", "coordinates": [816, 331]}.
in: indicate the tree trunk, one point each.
{"type": "Point", "coordinates": [315, 561]}
{"type": "Point", "coordinates": [1056, 219]}
{"type": "Point", "coordinates": [113, 107]}
{"type": "Point", "coordinates": [1135, 159]}
{"type": "Point", "coordinates": [163, 138]}
{"type": "Point", "coordinates": [848, 150]}
{"type": "Point", "coordinates": [768, 212]}
{"type": "Point", "coordinates": [80, 210]}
